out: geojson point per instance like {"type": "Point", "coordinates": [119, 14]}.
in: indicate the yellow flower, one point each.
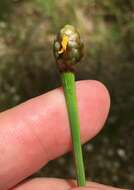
{"type": "Point", "coordinates": [64, 44]}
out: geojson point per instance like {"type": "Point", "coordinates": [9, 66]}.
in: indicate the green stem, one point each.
{"type": "Point", "coordinates": [68, 82]}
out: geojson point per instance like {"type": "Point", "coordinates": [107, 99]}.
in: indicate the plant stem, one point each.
{"type": "Point", "coordinates": [68, 82]}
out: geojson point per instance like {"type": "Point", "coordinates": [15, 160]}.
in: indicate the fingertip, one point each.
{"type": "Point", "coordinates": [94, 104]}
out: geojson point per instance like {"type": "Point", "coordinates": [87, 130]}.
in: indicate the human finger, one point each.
{"type": "Point", "coordinates": [37, 131]}
{"type": "Point", "coordinates": [59, 184]}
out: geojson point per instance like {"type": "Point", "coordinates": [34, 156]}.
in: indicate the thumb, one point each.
{"type": "Point", "coordinates": [96, 186]}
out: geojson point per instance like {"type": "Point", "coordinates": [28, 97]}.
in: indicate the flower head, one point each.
{"type": "Point", "coordinates": [68, 48]}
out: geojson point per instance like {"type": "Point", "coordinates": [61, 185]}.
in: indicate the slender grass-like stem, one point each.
{"type": "Point", "coordinates": [68, 51]}
{"type": "Point", "coordinates": [68, 82]}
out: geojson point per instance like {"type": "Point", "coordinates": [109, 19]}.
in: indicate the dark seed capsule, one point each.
{"type": "Point", "coordinates": [68, 48]}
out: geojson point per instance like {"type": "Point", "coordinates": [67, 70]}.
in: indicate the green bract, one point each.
{"type": "Point", "coordinates": [68, 48]}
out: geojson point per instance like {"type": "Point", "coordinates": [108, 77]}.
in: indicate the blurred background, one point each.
{"type": "Point", "coordinates": [27, 29]}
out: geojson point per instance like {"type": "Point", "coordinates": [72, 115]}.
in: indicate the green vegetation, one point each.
{"type": "Point", "coordinates": [27, 29]}
{"type": "Point", "coordinates": [68, 51]}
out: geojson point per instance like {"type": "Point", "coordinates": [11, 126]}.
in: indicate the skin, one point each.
{"type": "Point", "coordinates": [30, 131]}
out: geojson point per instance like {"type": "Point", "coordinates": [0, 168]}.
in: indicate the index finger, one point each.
{"type": "Point", "coordinates": [38, 131]}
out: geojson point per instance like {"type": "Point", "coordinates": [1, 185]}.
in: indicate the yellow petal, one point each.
{"type": "Point", "coordinates": [64, 44]}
